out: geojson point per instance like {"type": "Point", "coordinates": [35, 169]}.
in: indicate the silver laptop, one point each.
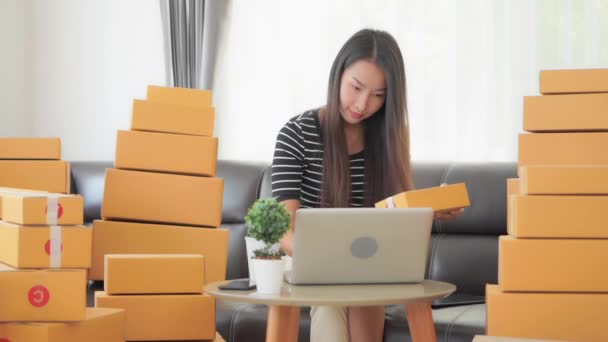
{"type": "Point", "coordinates": [360, 245]}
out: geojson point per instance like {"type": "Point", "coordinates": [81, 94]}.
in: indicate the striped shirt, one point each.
{"type": "Point", "coordinates": [297, 167]}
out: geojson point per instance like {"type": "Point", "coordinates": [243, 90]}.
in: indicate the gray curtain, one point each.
{"type": "Point", "coordinates": [183, 30]}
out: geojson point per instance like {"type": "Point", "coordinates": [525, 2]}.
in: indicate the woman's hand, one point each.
{"type": "Point", "coordinates": [448, 215]}
{"type": "Point", "coordinates": [287, 239]}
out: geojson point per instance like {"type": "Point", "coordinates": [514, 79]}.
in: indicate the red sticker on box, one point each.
{"type": "Point", "coordinates": [39, 296]}
{"type": "Point", "coordinates": [59, 212]}
{"type": "Point", "coordinates": [4, 340]}
{"type": "Point", "coordinates": [47, 249]}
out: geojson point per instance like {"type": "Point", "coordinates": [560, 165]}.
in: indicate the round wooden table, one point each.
{"type": "Point", "coordinates": [283, 320]}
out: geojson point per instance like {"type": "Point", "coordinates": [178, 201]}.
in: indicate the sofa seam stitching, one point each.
{"type": "Point", "coordinates": [435, 243]}
{"type": "Point", "coordinates": [261, 182]}
{"type": "Point", "coordinates": [443, 177]}
{"type": "Point", "coordinates": [448, 330]}
{"type": "Point", "coordinates": [232, 320]}
{"type": "Point", "coordinates": [434, 248]}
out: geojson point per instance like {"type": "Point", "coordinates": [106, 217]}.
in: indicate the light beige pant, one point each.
{"type": "Point", "coordinates": [329, 324]}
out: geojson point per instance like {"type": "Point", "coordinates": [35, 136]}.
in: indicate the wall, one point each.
{"type": "Point", "coordinates": [92, 58]}
{"type": "Point", "coordinates": [14, 77]}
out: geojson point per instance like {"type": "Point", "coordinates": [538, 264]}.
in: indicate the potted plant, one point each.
{"type": "Point", "coordinates": [268, 221]}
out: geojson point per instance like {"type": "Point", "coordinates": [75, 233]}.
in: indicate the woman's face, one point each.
{"type": "Point", "coordinates": [362, 91]}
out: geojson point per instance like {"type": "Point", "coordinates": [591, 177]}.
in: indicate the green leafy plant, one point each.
{"type": "Point", "coordinates": [268, 221]}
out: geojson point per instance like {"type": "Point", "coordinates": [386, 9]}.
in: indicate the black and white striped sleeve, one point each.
{"type": "Point", "coordinates": [288, 162]}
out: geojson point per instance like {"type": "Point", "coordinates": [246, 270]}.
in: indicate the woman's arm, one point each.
{"type": "Point", "coordinates": [287, 241]}
{"type": "Point", "coordinates": [287, 168]}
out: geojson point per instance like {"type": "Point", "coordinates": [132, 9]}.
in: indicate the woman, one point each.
{"type": "Point", "coordinates": [352, 152]}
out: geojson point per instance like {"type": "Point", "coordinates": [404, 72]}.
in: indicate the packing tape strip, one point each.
{"type": "Point", "coordinates": [56, 242]}
{"type": "Point", "coordinates": [10, 191]}
{"type": "Point", "coordinates": [52, 209]}
{"type": "Point", "coordinates": [390, 203]}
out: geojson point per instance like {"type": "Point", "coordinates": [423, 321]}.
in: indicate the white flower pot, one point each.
{"type": "Point", "coordinates": [269, 275]}
{"type": "Point", "coordinates": [252, 245]}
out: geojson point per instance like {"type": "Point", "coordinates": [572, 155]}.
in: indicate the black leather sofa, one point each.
{"type": "Point", "coordinates": [463, 252]}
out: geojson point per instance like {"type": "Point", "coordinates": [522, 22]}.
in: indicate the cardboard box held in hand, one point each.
{"type": "Point", "coordinates": [439, 198]}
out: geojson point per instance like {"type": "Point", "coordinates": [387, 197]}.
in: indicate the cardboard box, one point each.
{"type": "Point", "coordinates": [45, 246]}
{"type": "Point", "coordinates": [564, 180]}
{"type": "Point", "coordinates": [552, 265]}
{"type": "Point", "coordinates": [164, 317]}
{"type": "Point", "coordinates": [183, 96]}
{"type": "Point", "coordinates": [100, 325]}
{"type": "Point", "coordinates": [585, 112]}
{"type": "Point", "coordinates": [172, 118]}
{"type": "Point", "coordinates": [559, 316]}
{"type": "Point", "coordinates": [563, 149]}
{"type": "Point", "coordinates": [44, 175]}
{"type": "Point", "coordinates": [573, 81]}
{"type": "Point", "coordinates": [43, 208]}
{"type": "Point", "coordinates": [118, 238]}
{"type": "Point", "coordinates": [42, 295]}
{"type": "Point", "coordinates": [162, 198]}
{"type": "Point", "coordinates": [513, 188]}
{"type": "Point", "coordinates": [164, 152]}
{"type": "Point", "coordinates": [578, 217]}
{"type": "Point", "coordinates": [154, 273]}
{"type": "Point", "coordinates": [8, 191]}
{"type": "Point", "coordinates": [30, 148]}
{"type": "Point", "coordinates": [439, 198]}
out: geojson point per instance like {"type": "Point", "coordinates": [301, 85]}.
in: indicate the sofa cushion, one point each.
{"type": "Point", "coordinates": [453, 324]}
{"type": "Point", "coordinates": [465, 260]}
{"type": "Point", "coordinates": [266, 186]}
{"type": "Point", "coordinates": [237, 261]}
{"type": "Point", "coordinates": [241, 186]}
{"type": "Point", "coordinates": [428, 174]}
{"type": "Point", "coordinates": [487, 187]}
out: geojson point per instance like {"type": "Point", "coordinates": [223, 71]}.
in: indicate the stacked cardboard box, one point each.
{"type": "Point", "coordinates": [33, 163]}
{"type": "Point", "coordinates": [162, 197]}
{"type": "Point", "coordinates": [152, 287]}
{"type": "Point", "coordinates": [44, 254]}
{"type": "Point", "coordinates": [551, 264]}
{"type": "Point", "coordinates": [100, 325]}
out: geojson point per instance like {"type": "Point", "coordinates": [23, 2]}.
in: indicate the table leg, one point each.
{"type": "Point", "coordinates": [283, 324]}
{"type": "Point", "coordinates": [420, 321]}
